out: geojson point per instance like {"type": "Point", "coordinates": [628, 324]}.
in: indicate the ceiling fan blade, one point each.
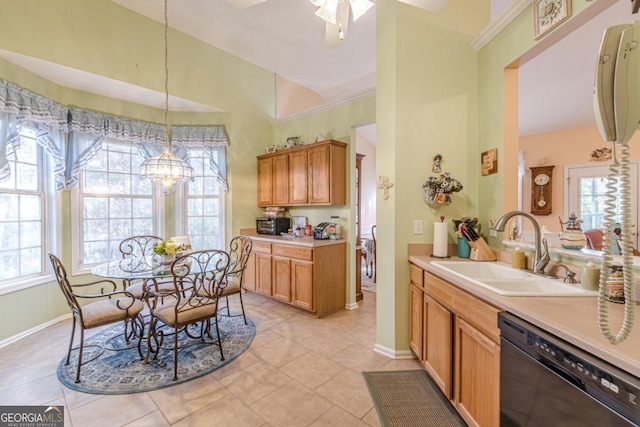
{"type": "Point", "coordinates": [243, 4]}
{"type": "Point", "coordinates": [430, 5]}
{"type": "Point", "coordinates": [336, 34]}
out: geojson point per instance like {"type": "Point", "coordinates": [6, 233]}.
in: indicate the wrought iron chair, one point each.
{"type": "Point", "coordinates": [188, 308]}
{"type": "Point", "coordinates": [105, 311]}
{"type": "Point", "coordinates": [239, 251]}
{"type": "Point", "coordinates": [138, 249]}
{"type": "Point", "coordinates": [373, 256]}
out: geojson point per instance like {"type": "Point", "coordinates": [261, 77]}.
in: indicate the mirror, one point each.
{"type": "Point", "coordinates": [556, 119]}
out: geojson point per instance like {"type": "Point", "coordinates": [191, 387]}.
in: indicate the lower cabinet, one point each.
{"type": "Point", "coordinates": [313, 279]}
{"type": "Point", "coordinates": [456, 337]}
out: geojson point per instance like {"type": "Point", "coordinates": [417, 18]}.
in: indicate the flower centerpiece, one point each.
{"type": "Point", "coordinates": [438, 189]}
{"type": "Point", "coordinates": [167, 250]}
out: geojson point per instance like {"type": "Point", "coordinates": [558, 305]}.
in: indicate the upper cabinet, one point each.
{"type": "Point", "coordinates": [313, 174]}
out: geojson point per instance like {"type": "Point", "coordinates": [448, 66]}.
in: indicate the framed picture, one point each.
{"type": "Point", "coordinates": [548, 14]}
{"type": "Point", "coordinates": [183, 244]}
{"type": "Point", "coordinates": [489, 161]}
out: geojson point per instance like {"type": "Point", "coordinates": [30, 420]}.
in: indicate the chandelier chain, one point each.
{"type": "Point", "coordinates": [166, 69]}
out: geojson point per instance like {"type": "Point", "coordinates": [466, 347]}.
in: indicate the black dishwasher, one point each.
{"type": "Point", "coordinates": [546, 381]}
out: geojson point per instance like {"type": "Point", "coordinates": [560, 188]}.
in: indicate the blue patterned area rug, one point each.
{"type": "Point", "coordinates": [121, 371]}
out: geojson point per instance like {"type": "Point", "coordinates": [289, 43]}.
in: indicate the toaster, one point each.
{"type": "Point", "coordinates": [321, 231]}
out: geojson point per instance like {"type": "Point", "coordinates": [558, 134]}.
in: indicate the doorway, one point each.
{"type": "Point", "coordinates": [366, 207]}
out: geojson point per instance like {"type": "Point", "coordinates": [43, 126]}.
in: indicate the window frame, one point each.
{"type": "Point", "coordinates": [181, 216]}
{"type": "Point", "coordinates": [51, 212]}
{"type": "Point", "coordinates": [78, 267]}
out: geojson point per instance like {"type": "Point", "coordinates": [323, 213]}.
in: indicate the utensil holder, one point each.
{"type": "Point", "coordinates": [480, 251]}
{"type": "Point", "coordinates": [464, 250]}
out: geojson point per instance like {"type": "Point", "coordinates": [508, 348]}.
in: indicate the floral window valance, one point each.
{"type": "Point", "coordinates": [21, 107]}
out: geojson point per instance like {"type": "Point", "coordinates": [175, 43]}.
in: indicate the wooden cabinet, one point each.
{"type": "Point", "coordinates": [313, 174]}
{"type": "Point", "coordinates": [265, 182]}
{"type": "Point", "coordinates": [311, 278]}
{"type": "Point", "coordinates": [298, 177]}
{"type": "Point", "coordinates": [456, 336]}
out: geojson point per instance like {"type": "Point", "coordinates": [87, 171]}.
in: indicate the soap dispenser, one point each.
{"type": "Point", "coordinates": [590, 277]}
{"type": "Point", "coordinates": [517, 259]}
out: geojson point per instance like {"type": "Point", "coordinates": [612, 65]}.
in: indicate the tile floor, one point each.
{"type": "Point", "coordinates": [299, 371]}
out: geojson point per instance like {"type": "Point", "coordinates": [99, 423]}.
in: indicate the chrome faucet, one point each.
{"type": "Point", "coordinates": [541, 249]}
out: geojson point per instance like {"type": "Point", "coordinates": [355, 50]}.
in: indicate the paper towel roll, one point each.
{"type": "Point", "coordinates": [440, 239]}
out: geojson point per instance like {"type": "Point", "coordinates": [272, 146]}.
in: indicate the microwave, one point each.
{"type": "Point", "coordinates": [273, 226]}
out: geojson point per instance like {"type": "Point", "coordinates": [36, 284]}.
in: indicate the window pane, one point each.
{"type": "Point", "coordinates": [22, 204]}
{"type": "Point", "coordinates": [126, 212]}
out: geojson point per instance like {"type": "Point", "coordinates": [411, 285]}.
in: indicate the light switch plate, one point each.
{"type": "Point", "coordinates": [417, 226]}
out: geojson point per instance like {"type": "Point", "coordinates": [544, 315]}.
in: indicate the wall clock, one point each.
{"type": "Point", "coordinates": [541, 189]}
{"type": "Point", "coordinates": [548, 14]}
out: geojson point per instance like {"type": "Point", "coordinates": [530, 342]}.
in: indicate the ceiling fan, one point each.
{"type": "Point", "coordinates": [336, 14]}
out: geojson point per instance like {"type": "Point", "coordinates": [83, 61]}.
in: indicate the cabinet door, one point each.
{"type": "Point", "coordinates": [415, 321]}
{"type": "Point", "coordinates": [263, 274]}
{"type": "Point", "coordinates": [265, 183]}
{"type": "Point", "coordinates": [281, 180]}
{"type": "Point", "coordinates": [298, 177]}
{"type": "Point", "coordinates": [249, 275]}
{"type": "Point", "coordinates": [281, 278]}
{"type": "Point", "coordinates": [477, 373]}
{"type": "Point", "coordinates": [319, 176]}
{"type": "Point", "coordinates": [302, 284]}
{"type": "Point", "coordinates": [438, 344]}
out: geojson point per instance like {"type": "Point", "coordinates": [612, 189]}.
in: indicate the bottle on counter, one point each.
{"type": "Point", "coordinates": [590, 277]}
{"type": "Point", "coordinates": [517, 258]}
{"type": "Point", "coordinates": [308, 232]}
{"type": "Point", "coordinates": [615, 285]}
{"type": "Point", "coordinates": [334, 228]}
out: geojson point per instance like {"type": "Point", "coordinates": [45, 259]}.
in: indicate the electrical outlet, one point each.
{"type": "Point", "coordinates": [417, 226]}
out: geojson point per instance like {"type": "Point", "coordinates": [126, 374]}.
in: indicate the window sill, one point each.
{"type": "Point", "coordinates": [26, 283]}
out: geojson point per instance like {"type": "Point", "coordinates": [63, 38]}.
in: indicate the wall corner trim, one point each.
{"type": "Point", "coordinates": [498, 24]}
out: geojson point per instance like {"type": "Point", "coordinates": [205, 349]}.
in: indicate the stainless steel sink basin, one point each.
{"type": "Point", "coordinates": [505, 280]}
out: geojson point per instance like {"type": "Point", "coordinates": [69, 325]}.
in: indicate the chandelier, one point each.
{"type": "Point", "coordinates": [166, 168]}
{"type": "Point", "coordinates": [328, 9]}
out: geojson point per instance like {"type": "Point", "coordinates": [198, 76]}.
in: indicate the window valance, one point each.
{"type": "Point", "coordinates": [199, 136]}
{"type": "Point", "coordinates": [27, 105]}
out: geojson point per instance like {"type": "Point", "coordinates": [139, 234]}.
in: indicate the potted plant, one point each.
{"type": "Point", "coordinates": [167, 250]}
{"type": "Point", "coordinates": [438, 189]}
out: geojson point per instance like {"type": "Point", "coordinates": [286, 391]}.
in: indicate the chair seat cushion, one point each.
{"type": "Point", "coordinates": [230, 289]}
{"type": "Point", "coordinates": [137, 289]}
{"type": "Point", "coordinates": [109, 310]}
{"type": "Point", "coordinates": [166, 311]}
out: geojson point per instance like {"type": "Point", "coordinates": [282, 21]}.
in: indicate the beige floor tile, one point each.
{"type": "Point", "coordinates": [326, 343]}
{"type": "Point", "coordinates": [372, 418]}
{"type": "Point", "coordinates": [360, 358]}
{"type": "Point", "coordinates": [337, 417]}
{"type": "Point", "coordinates": [112, 411]}
{"type": "Point", "coordinates": [154, 419]}
{"type": "Point", "coordinates": [75, 399]}
{"type": "Point", "coordinates": [265, 337]}
{"type": "Point", "coordinates": [37, 392]}
{"type": "Point", "coordinates": [280, 351]}
{"type": "Point", "coordinates": [183, 399]}
{"type": "Point", "coordinates": [230, 412]}
{"type": "Point", "coordinates": [292, 405]}
{"type": "Point", "coordinates": [312, 370]}
{"type": "Point", "coordinates": [256, 381]}
{"type": "Point", "coordinates": [401, 365]}
{"type": "Point", "coordinates": [349, 391]}
{"type": "Point", "coordinates": [297, 329]}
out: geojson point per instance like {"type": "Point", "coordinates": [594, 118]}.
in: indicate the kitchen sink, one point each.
{"type": "Point", "coordinates": [506, 280]}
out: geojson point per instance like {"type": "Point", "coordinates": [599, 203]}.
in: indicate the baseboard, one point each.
{"type": "Point", "coordinates": [351, 306]}
{"type": "Point", "coordinates": [394, 354]}
{"type": "Point", "coordinates": [28, 332]}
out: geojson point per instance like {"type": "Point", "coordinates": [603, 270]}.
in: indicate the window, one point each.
{"type": "Point", "coordinates": [204, 215]}
{"type": "Point", "coordinates": [112, 203]}
{"type": "Point", "coordinates": [587, 192]}
{"type": "Point", "coordinates": [26, 203]}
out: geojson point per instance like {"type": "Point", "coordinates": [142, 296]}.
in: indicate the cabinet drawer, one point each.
{"type": "Point", "coordinates": [416, 275]}
{"type": "Point", "coordinates": [475, 311]}
{"type": "Point", "coordinates": [262, 247]}
{"type": "Point", "coordinates": [296, 252]}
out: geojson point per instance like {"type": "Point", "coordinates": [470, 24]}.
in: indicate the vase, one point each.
{"type": "Point", "coordinates": [436, 199]}
{"type": "Point", "coordinates": [464, 250]}
{"type": "Point", "coordinates": [165, 260]}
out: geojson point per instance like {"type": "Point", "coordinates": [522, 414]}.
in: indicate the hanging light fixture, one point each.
{"type": "Point", "coordinates": [166, 168]}
{"type": "Point", "coordinates": [328, 9]}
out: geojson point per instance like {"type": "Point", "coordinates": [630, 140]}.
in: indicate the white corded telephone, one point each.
{"type": "Point", "coordinates": [617, 111]}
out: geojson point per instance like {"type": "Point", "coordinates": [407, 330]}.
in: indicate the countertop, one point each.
{"type": "Point", "coordinates": [574, 319]}
{"type": "Point", "coordinates": [309, 242]}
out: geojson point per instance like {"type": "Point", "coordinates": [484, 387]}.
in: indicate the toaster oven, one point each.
{"type": "Point", "coordinates": [273, 226]}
